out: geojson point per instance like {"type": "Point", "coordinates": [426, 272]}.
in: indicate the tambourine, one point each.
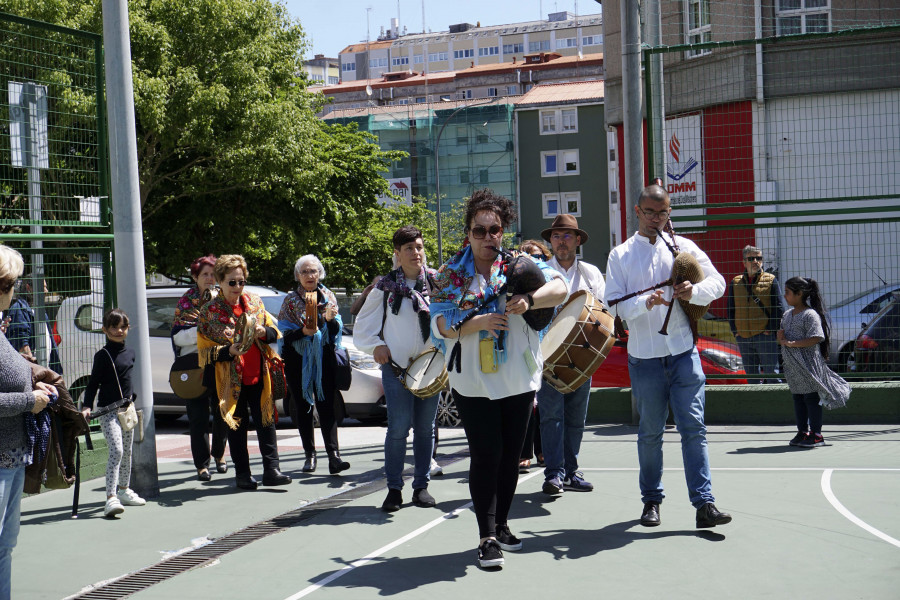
{"type": "Point", "coordinates": [245, 332]}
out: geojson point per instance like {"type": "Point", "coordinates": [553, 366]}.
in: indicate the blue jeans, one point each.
{"type": "Point", "coordinates": [758, 351]}
{"type": "Point", "coordinates": [656, 384]}
{"type": "Point", "coordinates": [11, 484]}
{"type": "Point", "coordinates": [405, 410]}
{"type": "Point", "coordinates": [562, 427]}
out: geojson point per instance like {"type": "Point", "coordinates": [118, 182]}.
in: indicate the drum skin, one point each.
{"type": "Point", "coordinates": [426, 374]}
{"type": "Point", "coordinates": [578, 341]}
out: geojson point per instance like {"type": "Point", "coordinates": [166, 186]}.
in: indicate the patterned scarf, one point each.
{"type": "Point", "coordinates": [310, 348]}
{"type": "Point", "coordinates": [454, 300]}
{"type": "Point", "coordinates": [396, 289]}
{"type": "Point", "coordinates": [215, 317]}
{"type": "Point", "coordinates": [184, 310]}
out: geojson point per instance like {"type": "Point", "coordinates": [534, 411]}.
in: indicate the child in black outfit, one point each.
{"type": "Point", "coordinates": [111, 373]}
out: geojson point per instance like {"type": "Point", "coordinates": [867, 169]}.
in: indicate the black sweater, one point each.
{"type": "Point", "coordinates": [103, 376]}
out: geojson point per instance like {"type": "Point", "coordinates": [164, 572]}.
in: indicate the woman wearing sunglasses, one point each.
{"type": "Point", "coordinates": [309, 360]}
{"type": "Point", "coordinates": [494, 362]}
{"type": "Point", "coordinates": [243, 379]}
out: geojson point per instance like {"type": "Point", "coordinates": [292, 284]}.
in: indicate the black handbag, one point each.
{"type": "Point", "coordinates": [186, 377]}
{"type": "Point", "coordinates": [343, 373]}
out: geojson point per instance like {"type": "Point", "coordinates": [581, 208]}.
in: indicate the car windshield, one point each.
{"type": "Point", "coordinates": [858, 296]}
{"type": "Point", "coordinates": [273, 303]}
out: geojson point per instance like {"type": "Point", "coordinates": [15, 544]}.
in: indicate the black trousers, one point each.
{"type": "Point", "coordinates": [495, 430]}
{"type": "Point", "coordinates": [808, 412]}
{"type": "Point", "coordinates": [198, 411]}
{"type": "Point", "coordinates": [248, 406]}
{"type": "Point", "coordinates": [302, 413]}
{"type": "Point", "coordinates": [532, 445]}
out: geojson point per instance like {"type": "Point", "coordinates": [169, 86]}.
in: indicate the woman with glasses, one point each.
{"type": "Point", "coordinates": [243, 377]}
{"type": "Point", "coordinates": [309, 360]}
{"type": "Point", "coordinates": [18, 398]}
{"type": "Point", "coordinates": [494, 362]}
{"type": "Point", "coordinates": [184, 343]}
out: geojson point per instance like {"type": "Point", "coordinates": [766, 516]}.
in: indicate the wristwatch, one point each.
{"type": "Point", "coordinates": [530, 301]}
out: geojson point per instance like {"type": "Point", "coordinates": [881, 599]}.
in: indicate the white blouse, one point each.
{"type": "Point", "coordinates": [401, 331]}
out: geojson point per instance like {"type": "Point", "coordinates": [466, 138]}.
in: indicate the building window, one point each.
{"type": "Point", "coordinates": [421, 100]}
{"type": "Point", "coordinates": [541, 46]}
{"type": "Point", "coordinates": [483, 176]}
{"type": "Point", "coordinates": [491, 51]}
{"type": "Point", "coordinates": [333, 80]}
{"type": "Point", "coordinates": [803, 16]}
{"type": "Point", "coordinates": [559, 204]}
{"type": "Point", "coordinates": [513, 48]}
{"type": "Point", "coordinates": [699, 29]}
{"type": "Point", "coordinates": [348, 67]}
{"type": "Point", "coordinates": [512, 89]}
{"type": "Point", "coordinates": [559, 121]}
{"type": "Point", "coordinates": [492, 92]}
{"type": "Point", "coordinates": [462, 135]}
{"type": "Point", "coordinates": [464, 95]}
{"type": "Point", "coordinates": [437, 56]}
{"type": "Point", "coordinates": [560, 162]}
{"type": "Point", "coordinates": [400, 60]}
{"type": "Point", "coordinates": [592, 40]}
{"type": "Point", "coordinates": [418, 58]}
{"type": "Point", "coordinates": [467, 53]}
{"type": "Point", "coordinates": [566, 42]}
{"type": "Point", "coordinates": [316, 77]}
{"type": "Point", "coordinates": [464, 177]}
{"type": "Point", "coordinates": [378, 62]}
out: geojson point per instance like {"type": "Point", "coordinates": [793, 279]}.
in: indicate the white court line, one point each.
{"type": "Point", "coordinates": [384, 549]}
{"type": "Point", "coordinates": [826, 489]}
{"type": "Point", "coordinates": [601, 469]}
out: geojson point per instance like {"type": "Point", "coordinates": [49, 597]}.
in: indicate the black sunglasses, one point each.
{"type": "Point", "coordinates": [479, 231]}
{"type": "Point", "coordinates": [236, 282]}
{"type": "Point", "coordinates": [754, 258]}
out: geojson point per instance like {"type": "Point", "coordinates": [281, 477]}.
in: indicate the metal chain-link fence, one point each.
{"type": "Point", "coordinates": [789, 144]}
{"type": "Point", "coordinates": [54, 205]}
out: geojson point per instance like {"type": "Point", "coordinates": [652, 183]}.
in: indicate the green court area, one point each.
{"type": "Point", "coordinates": [807, 523]}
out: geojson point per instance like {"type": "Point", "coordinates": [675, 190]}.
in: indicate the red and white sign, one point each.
{"type": "Point", "coordinates": [399, 187]}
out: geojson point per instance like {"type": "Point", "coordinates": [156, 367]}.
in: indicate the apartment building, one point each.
{"type": "Point", "coordinates": [464, 45]}
{"type": "Point", "coordinates": [321, 71]}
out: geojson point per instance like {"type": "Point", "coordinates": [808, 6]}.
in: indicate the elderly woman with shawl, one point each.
{"type": "Point", "coordinates": [309, 360]}
{"type": "Point", "coordinates": [243, 381]}
{"type": "Point", "coordinates": [494, 362]}
{"type": "Point", "coordinates": [184, 343]}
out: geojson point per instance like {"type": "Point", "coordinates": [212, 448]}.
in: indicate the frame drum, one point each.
{"type": "Point", "coordinates": [578, 341]}
{"type": "Point", "coordinates": [426, 374]}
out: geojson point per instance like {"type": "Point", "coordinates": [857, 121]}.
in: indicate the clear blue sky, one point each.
{"type": "Point", "coordinates": [331, 26]}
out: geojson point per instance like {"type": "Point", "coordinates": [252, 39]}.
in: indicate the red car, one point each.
{"type": "Point", "coordinates": [717, 358]}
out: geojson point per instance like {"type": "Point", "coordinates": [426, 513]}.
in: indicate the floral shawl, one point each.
{"type": "Point", "coordinates": [453, 299]}
{"type": "Point", "coordinates": [310, 348]}
{"type": "Point", "coordinates": [395, 288]}
{"type": "Point", "coordinates": [215, 317]}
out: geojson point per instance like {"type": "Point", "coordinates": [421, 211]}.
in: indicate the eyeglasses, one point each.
{"type": "Point", "coordinates": [539, 256]}
{"type": "Point", "coordinates": [758, 259]}
{"type": "Point", "coordinates": [237, 282]}
{"type": "Point", "coordinates": [479, 231]}
{"type": "Point", "coordinates": [654, 214]}
{"type": "Point", "coordinates": [559, 237]}
{"type": "Point", "coordinates": [309, 272]}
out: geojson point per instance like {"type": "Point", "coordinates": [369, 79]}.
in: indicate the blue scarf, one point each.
{"type": "Point", "coordinates": [453, 299]}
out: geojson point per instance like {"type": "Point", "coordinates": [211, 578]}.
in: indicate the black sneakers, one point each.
{"type": "Point", "coordinates": [798, 439]}
{"type": "Point", "coordinates": [710, 516]}
{"type": "Point", "coordinates": [422, 498]}
{"type": "Point", "coordinates": [393, 502]}
{"type": "Point", "coordinates": [506, 540]}
{"type": "Point", "coordinates": [650, 516]}
{"type": "Point", "coordinates": [489, 554]}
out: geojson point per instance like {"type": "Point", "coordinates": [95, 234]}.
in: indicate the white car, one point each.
{"type": "Point", "coordinates": [79, 320]}
{"type": "Point", "coordinates": [848, 319]}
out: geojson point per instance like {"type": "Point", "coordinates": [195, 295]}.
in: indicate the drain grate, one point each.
{"type": "Point", "coordinates": [192, 559]}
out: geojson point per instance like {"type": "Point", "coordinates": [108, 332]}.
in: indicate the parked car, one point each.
{"type": "Point", "coordinates": [716, 357]}
{"type": "Point", "coordinates": [848, 318]}
{"type": "Point", "coordinates": [878, 346]}
{"type": "Point", "coordinates": [79, 321]}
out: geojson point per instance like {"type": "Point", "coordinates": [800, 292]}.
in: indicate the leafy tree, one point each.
{"type": "Point", "coordinates": [232, 157]}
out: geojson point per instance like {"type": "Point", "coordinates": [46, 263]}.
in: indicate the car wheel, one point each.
{"type": "Point", "coordinates": [447, 413]}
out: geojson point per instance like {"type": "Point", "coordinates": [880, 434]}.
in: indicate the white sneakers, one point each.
{"type": "Point", "coordinates": [113, 507]}
{"type": "Point", "coordinates": [435, 469]}
{"type": "Point", "coordinates": [129, 498]}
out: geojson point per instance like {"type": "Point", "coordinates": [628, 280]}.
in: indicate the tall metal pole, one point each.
{"type": "Point", "coordinates": [656, 109]}
{"type": "Point", "coordinates": [125, 190]}
{"type": "Point", "coordinates": [631, 104]}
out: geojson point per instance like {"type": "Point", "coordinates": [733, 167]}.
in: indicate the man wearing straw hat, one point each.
{"type": "Point", "coordinates": [563, 415]}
